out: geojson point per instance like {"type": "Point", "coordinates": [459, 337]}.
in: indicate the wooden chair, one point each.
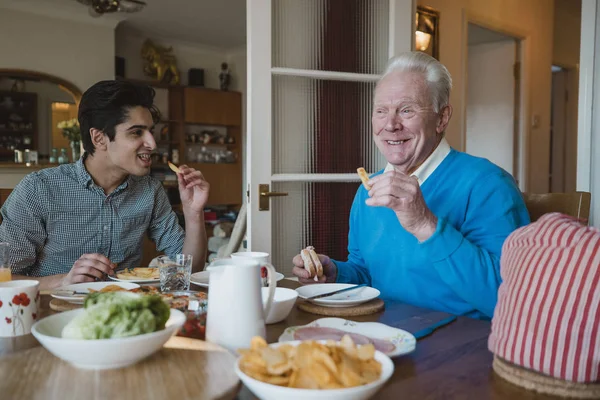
{"type": "Point", "coordinates": [575, 204]}
{"type": "Point", "coordinates": [237, 234]}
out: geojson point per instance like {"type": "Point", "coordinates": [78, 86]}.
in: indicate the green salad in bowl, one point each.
{"type": "Point", "coordinates": [118, 315]}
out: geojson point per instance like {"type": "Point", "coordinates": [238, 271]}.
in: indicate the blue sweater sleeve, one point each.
{"type": "Point", "coordinates": [354, 270]}
{"type": "Point", "coordinates": [468, 261]}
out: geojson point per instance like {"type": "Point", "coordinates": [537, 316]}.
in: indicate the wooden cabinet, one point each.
{"type": "Point", "coordinates": [18, 123]}
{"type": "Point", "coordinates": [200, 110]}
{"type": "Point", "coordinates": [4, 193]}
{"type": "Point", "coordinates": [212, 107]}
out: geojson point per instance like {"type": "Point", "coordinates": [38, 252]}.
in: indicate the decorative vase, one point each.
{"type": "Point", "coordinates": [75, 151]}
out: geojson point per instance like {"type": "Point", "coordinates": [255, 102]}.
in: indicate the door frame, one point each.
{"type": "Point", "coordinates": [524, 50]}
{"type": "Point", "coordinates": [588, 141]}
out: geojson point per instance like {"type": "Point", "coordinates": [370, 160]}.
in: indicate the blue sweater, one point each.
{"type": "Point", "coordinates": [457, 270]}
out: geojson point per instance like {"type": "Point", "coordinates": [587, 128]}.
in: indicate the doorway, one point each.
{"type": "Point", "coordinates": [563, 130]}
{"type": "Point", "coordinates": [493, 98]}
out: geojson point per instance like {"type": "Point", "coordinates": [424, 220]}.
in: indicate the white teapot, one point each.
{"type": "Point", "coordinates": [235, 306]}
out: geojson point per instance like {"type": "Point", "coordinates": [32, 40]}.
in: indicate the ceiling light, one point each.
{"type": "Point", "coordinates": [101, 7]}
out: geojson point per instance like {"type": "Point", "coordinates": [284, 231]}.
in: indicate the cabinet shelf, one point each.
{"type": "Point", "coordinates": [212, 145]}
{"type": "Point", "coordinates": [17, 132]}
{"type": "Point", "coordinates": [167, 143]}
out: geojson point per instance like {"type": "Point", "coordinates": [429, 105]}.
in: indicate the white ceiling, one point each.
{"type": "Point", "coordinates": [214, 23]}
{"type": "Point", "coordinates": [218, 23]}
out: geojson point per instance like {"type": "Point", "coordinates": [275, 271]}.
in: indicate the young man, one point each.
{"type": "Point", "coordinates": [430, 230]}
{"type": "Point", "coordinates": [78, 222]}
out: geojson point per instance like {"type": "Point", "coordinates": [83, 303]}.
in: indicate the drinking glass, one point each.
{"type": "Point", "coordinates": [5, 275]}
{"type": "Point", "coordinates": [175, 274]}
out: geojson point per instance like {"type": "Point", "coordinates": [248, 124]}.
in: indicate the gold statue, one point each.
{"type": "Point", "coordinates": [159, 63]}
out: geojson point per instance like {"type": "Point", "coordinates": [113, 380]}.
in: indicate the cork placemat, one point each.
{"type": "Point", "coordinates": [537, 382]}
{"type": "Point", "coordinates": [61, 305]}
{"type": "Point", "coordinates": [367, 308]}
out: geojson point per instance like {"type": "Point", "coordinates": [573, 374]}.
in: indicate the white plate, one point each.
{"type": "Point", "coordinates": [84, 287]}
{"type": "Point", "coordinates": [146, 281]}
{"type": "Point", "coordinates": [346, 299]}
{"type": "Point", "coordinates": [202, 278]}
{"type": "Point", "coordinates": [403, 341]}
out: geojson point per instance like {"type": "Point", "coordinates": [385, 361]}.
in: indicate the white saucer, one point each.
{"type": "Point", "coordinates": [202, 278]}
{"type": "Point", "coordinates": [404, 342]}
{"type": "Point", "coordinates": [346, 299]}
{"type": "Point", "coordinates": [84, 287]}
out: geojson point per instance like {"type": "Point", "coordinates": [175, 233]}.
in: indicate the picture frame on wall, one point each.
{"type": "Point", "coordinates": [427, 31]}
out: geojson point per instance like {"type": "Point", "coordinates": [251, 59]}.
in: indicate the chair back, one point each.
{"type": "Point", "coordinates": [237, 234]}
{"type": "Point", "coordinates": [575, 204]}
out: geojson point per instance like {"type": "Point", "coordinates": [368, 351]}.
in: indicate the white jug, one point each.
{"type": "Point", "coordinates": [235, 306]}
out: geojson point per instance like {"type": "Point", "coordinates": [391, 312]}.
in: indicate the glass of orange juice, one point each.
{"type": "Point", "coordinates": [4, 267]}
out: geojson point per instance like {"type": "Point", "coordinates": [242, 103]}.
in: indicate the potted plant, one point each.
{"type": "Point", "coordinates": [70, 130]}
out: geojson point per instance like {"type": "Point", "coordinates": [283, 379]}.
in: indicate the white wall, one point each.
{"type": "Point", "coordinates": [588, 134]}
{"type": "Point", "coordinates": [490, 102]}
{"type": "Point", "coordinates": [71, 48]}
{"type": "Point", "coordinates": [78, 52]}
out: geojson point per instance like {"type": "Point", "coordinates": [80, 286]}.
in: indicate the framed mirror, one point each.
{"type": "Point", "coordinates": [32, 104]}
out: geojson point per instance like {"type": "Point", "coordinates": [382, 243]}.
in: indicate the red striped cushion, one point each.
{"type": "Point", "coordinates": [548, 314]}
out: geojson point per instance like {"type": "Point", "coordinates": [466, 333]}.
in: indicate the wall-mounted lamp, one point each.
{"type": "Point", "coordinates": [427, 31]}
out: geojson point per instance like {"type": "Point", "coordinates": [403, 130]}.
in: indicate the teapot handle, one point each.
{"type": "Point", "coordinates": [272, 281]}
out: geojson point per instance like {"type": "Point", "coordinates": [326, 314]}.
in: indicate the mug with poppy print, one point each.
{"type": "Point", "coordinates": [19, 302]}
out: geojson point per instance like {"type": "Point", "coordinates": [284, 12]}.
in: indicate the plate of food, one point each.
{"type": "Point", "coordinates": [77, 292]}
{"type": "Point", "coordinates": [313, 369]}
{"type": "Point", "coordinates": [137, 275]}
{"type": "Point", "coordinates": [202, 278]}
{"type": "Point", "coordinates": [180, 299]}
{"type": "Point", "coordinates": [348, 298]}
{"type": "Point", "coordinates": [390, 341]}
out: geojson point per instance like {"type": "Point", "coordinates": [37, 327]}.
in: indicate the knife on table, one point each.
{"type": "Point", "coordinates": [319, 296]}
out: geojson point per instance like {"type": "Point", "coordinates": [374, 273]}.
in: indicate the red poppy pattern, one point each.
{"type": "Point", "coordinates": [18, 305]}
{"type": "Point", "coordinates": [21, 299]}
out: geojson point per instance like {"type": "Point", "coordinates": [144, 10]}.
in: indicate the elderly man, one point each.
{"type": "Point", "coordinates": [77, 222]}
{"type": "Point", "coordinates": [430, 230]}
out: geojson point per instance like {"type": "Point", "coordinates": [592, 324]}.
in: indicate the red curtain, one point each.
{"type": "Point", "coordinates": [338, 130]}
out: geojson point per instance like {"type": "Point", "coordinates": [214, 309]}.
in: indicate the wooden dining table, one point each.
{"type": "Point", "coordinates": [453, 362]}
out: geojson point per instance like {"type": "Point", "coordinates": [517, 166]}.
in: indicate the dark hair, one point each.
{"type": "Point", "coordinates": [106, 104]}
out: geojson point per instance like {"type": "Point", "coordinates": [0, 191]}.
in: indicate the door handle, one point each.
{"type": "Point", "coordinates": [264, 195]}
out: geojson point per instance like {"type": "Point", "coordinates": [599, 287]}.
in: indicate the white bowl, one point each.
{"type": "Point", "coordinates": [267, 391]}
{"type": "Point", "coordinates": [102, 353]}
{"type": "Point", "coordinates": [283, 302]}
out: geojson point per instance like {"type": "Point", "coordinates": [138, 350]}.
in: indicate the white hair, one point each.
{"type": "Point", "coordinates": [436, 75]}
